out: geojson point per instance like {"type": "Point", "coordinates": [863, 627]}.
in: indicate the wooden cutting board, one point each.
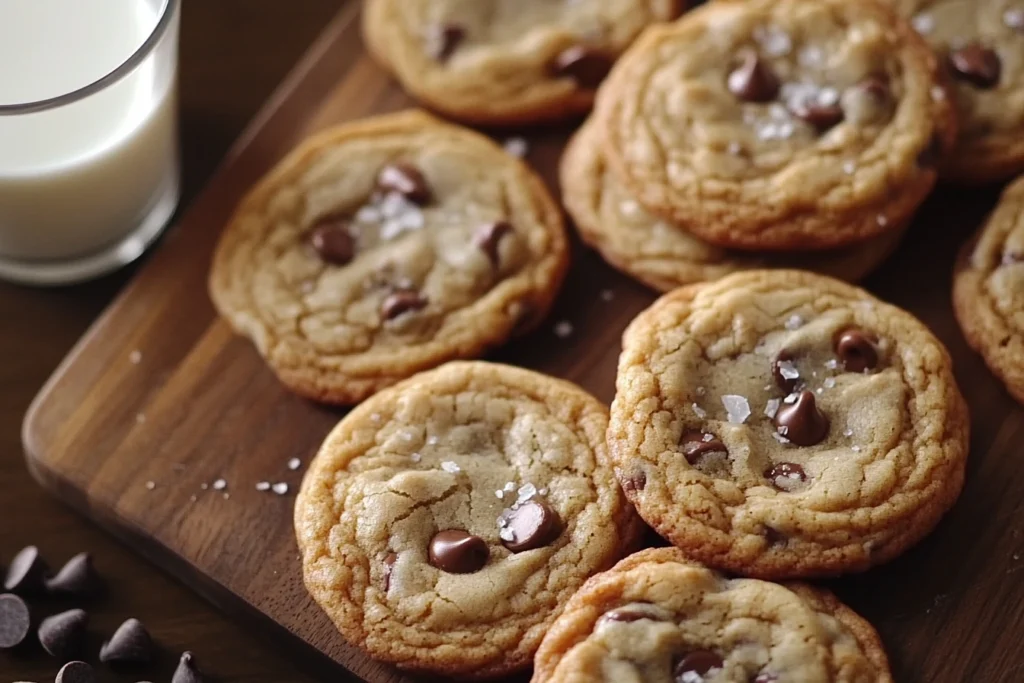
{"type": "Point", "coordinates": [160, 400]}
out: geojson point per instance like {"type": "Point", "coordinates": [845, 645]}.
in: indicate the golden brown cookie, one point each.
{"type": "Point", "coordinates": [778, 124]}
{"type": "Point", "coordinates": [447, 520]}
{"type": "Point", "coordinates": [781, 424]}
{"type": "Point", "coordinates": [384, 247]}
{"type": "Point", "coordinates": [506, 61]}
{"type": "Point", "coordinates": [662, 254]}
{"type": "Point", "coordinates": [657, 617]}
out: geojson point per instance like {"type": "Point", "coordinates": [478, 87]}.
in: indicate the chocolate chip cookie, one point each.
{"type": "Point", "coordinates": [778, 124]}
{"type": "Point", "coordinates": [988, 291]}
{"type": "Point", "coordinates": [384, 247]}
{"type": "Point", "coordinates": [506, 61]}
{"type": "Point", "coordinates": [658, 617]}
{"type": "Point", "coordinates": [782, 424]}
{"type": "Point", "coordinates": [663, 255]}
{"type": "Point", "coordinates": [447, 520]}
{"type": "Point", "coordinates": [981, 44]}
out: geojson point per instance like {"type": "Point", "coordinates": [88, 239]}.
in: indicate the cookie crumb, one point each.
{"type": "Point", "coordinates": [563, 329]}
{"type": "Point", "coordinates": [517, 147]}
{"type": "Point", "coordinates": [294, 464]}
{"type": "Point", "coordinates": [280, 488]}
{"type": "Point", "coordinates": [737, 408]}
{"type": "Point", "coordinates": [451, 467]}
{"type": "Point", "coordinates": [263, 486]}
{"type": "Point", "coordinates": [135, 357]}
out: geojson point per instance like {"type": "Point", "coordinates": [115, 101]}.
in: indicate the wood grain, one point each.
{"type": "Point", "coordinates": [950, 610]}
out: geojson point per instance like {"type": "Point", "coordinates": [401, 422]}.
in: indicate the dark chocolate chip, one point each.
{"type": "Point", "coordinates": [332, 240]}
{"type": "Point", "coordinates": [533, 524]}
{"type": "Point", "coordinates": [801, 421]}
{"type": "Point", "coordinates": [63, 635]}
{"type": "Point", "coordinates": [187, 671]}
{"type": "Point", "coordinates": [389, 566]}
{"type": "Point", "coordinates": [856, 350]}
{"type": "Point", "coordinates": [488, 237]}
{"type": "Point", "coordinates": [131, 643]}
{"type": "Point", "coordinates": [636, 481]}
{"type": "Point", "coordinates": [458, 552]}
{"type": "Point", "coordinates": [585, 65]}
{"type": "Point", "coordinates": [697, 443]}
{"type": "Point", "coordinates": [698, 662]}
{"type": "Point", "coordinates": [444, 40]}
{"type": "Point", "coordinates": [980, 66]}
{"type": "Point", "coordinates": [26, 573]}
{"type": "Point", "coordinates": [753, 80]}
{"type": "Point", "coordinates": [401, 302]}
{"type": "Point", "coordinates": [406, 180]}
{"type": "Point", "coordinates": [15, 621]}
{"type": "Point", "coordinates": [76, 672]}
{"type": "Point", "coordinates": [785, 475]}
{"type": "Point", "coordinates": [782, 366]}
{"type": "Point", "coordinates": [631, 613]}
{"type": "Point", "coordinates": [821, 116]}
{"type": "Point", "coordinates": [77, 577]}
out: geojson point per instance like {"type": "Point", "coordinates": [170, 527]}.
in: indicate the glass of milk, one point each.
{"type": "Point", "coordinates": [88, 134]}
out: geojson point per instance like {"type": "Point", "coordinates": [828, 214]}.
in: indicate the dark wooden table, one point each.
{"type": "Point", "coordinates": [233, 54]}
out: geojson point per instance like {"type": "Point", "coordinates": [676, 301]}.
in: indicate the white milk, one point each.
{"type": "Point", "coordinates": [82, 177]}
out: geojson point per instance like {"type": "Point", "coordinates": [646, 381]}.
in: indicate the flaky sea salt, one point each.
{"type": "Point", "coordinates": [923, 23]}
{"type": "Point", "coordinates": [699, 412]}
{"type": "Point", "coordinates": [787, 369]}
{"type": "Point", "coordinates": [607, 295]}
{"type": "Point", "coordinates": [855, 449]}
{"type": "Point", "coordinates": [280, 488]}
{"type": "Point", "coordinates": [150, 485]}
{"type": "Point", "coordinates": [220, 485]}
{"type": "Point", "coordinates": [135, 357]}
{"type": "Point", "coordinates": [849, 167]}
{"type": "Point", "coordinates": [794, 322]}
{"type": "Point", "coordinates": [509, 487]}
{"type": "Point", "coordinates": [848, 433]}
{"type": "Point", "coordinates": [432, 440]}
{"type": "Point", "coordinates": [263, 486]}
{"type": "Point", "coordinates": [882, 220]}
{"type": "Point", "coordinates": [832, 364]}
{"type": "Point", "coordinates": [526, 492]}
{"type": "Point", "coordinates": [450, 467]}
{"type": "Point", "coordinates": [772, 407]}
{"type": "Point", "coordinates": [506, 534]}
{"type": "Point", "coordinates": [736, 407]}
{"type": "Point", "coordinates": [517, 147]}
{"type": "Point", "coordinates": [563, 329]}
{"type": "Point", "coordinates": [500, 494]}
{"type": "Point", "coordinates": [829, 382]}
{"type": "Point", "coordinates": [775, 41]}
{"type": "Point", "coordinates": [780, 438]}
{"type": "Point", "coordinates": [415, 457]}
{"type": "Point", "coordinates": [294, 464]}
{"type": "Point", "coordinates": [789, 400]}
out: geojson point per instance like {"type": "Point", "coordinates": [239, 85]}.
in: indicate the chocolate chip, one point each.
{"type": "Point", "coordinates": [389, 566]}
{"type": "Point", "coordinates": [785, 475]}
{"type": "Point", "coordinates": [62, 635]}
{"type": "Point", "coordinates": [801, 421]}
{"type": "Point", "coordinates": [697, 443]}
{"type": "Point", "coordinates": [15, 621]}
{"type": "Point", "coordinates": [76, 672]}
{"type": "Point", "coordinates": [488, 237]}
{"type": "Point", "coordinates": [131, 643]}
{"type": "Point", "coordinates": [698, 662]}
{"type": "Point", "coordinates": [774, 536]}
{"type": "Point", "coordinates": [753, 80]}
{"type": "Point", "coordinates": [977, 65]}
{"type": "Point", "coordinates": [444, 40]}
{"type": "Point", "coordinates": [26, 573]}
{"type": "Point", "coordinates": [400, 302]}
{"type": "Point", "coordinates": [532, 525]}
{"type": "Point", "coordinates": [332, 240]}
{"type": "Point", "coordinates": [856, 350]}
{"type": "Point", "coordinates": [784, 371]}
{"type": "Point", "coordinates": [631, 613]}
{"type": "Point", "coordinates": [406, 180]}
{"type": "Point", "coordinates": [821, 116]}
{"type": "Point", "coordinates": [187, 671]}
{"type": "Point", "coordinates": [585, 65]}
{"type": "Point", "coordinates": [869, 101]}
{"type": "Point", "coordinates": [77, 577]}
{"type": "Point", "coordinates": [458, 552]}
{"type": "Point", "coordinates": [636, 481]}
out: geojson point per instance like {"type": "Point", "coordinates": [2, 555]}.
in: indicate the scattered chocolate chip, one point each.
{"type": "Point", "coordinates": [631, 613]}
{"type": "Point", "coordinates": [77, 577]}
{"type": "Point", "coordinates": [26, 573]}
{"type": "Point", "coordinates": [187, 671]}
{"type": "Point", "coordinates": [636, 481]}
{"type": "Point", "coordinates": [444, 40]}
{"type": "Point", "coordinates": [406, 180]}
{"type": "Point", "coordinates": [389, 566]}
{"type": "Point", "coordinates": [801, 421]}
{"type": "Point", "coordinates": [131, 643]}
{"type": "Point", "coordinates": [697, 443]}
{"type": "Point", "coordinates": [784, 371]}
{"type": "Point", "coordinates": [753, 80]}
{"type": "Point", "coordinates": [856, 351]}
{"type": "Point", "coordinates": [332, 240]}
{"type": "Point", "coordinates": [533, 524]}
{"type": "Point", "coordinates": [76, 672]}
{"type": "Point", "coordinates": [821, 116]}
{"type": "Point", "coordinates": [15, 621]}
{"type": "Point", "coordinates": [585, 65]}
{"type": "Point", "coordinates": [869, 101]}
{"type": "Point", "coordinates": [401, 302]}
{"type": "Point", "coordinates": [698, 662]}
{"type": "Point", "coordinates": [488, 237]}
{"type": "Point", "coordinates": [63, 635]}
{"type": "Point", "coordinates": [785, 475]}
{"type": "Point", "coordinates": [458, 552]}
{"type": "Point", "coordinates": [977, 65]}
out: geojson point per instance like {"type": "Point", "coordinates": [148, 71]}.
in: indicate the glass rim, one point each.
{"type": "Point", "coordinates": [102, 83]}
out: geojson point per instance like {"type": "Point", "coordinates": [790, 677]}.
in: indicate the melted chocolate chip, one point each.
{"type": "Point", "coordinates": [637, 481]}
{"type": "Point", "coordinates": [406, 180]}
{"type": "Point", "coordinates": [389, 566]}
{"type": "Point", "coordinates": [444, 40]}
{"type": "Point", "coordinates": [698, 662]}
{"type": "Point", "coordinates": [696, 444]}
{"type": "Point", "coordinates": [401, 302]}
{"type": "Point", "coordinates": [785, 475]}
{"type": "Point", "coordinates": [488, 237]}
{"type": "Point", "coordinates": [783, 370]}
{"type": "Point", "coordinates": [753, 80]}
{"type": "Point", "coordinates": [631, 613]}
{"type": "Point", "coordinates": [458, 552]}
{"type": "Point", "coordinates": [980, 66]}
{"type": "Point", "coordinates": [821, 116]}
{"type": "Point", "coordinates": [532, 524]}
{"type": "Point", "coordinates": [856, 350]}
{"type": "Point", "coordinates": [585, 65]}
{"type": "Point", "coordinates": [801, 421]}
{"type": "Point", "coordinates": [332, 240]}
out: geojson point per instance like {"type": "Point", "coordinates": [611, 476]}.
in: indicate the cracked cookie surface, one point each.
{"type": "Point", "coordinates": [663, 255]}
{"type": "Point", "coordinates": [656, 617]}
{"type": "Point", "coordinates": [981, 44]}
{"type": "Point", "coordinates": [446, 521]}
{"type": "Point", "coordinates": [988, 290]}
{"type": "Point", "coordinates": [384, 247]}
{"type": "Point", "coordinates": [778, 124]}
{"type": "Point", "coordinates": [506, 61]}
{"type": "Point", "coordinates": [782, 424]}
